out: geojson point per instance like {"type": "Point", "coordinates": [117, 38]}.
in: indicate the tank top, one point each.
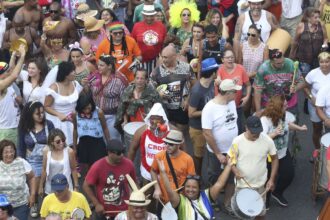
{"type": "Point", "coordinates": [263, 23]}
{"type": "Point", "coordinates": [150, 145]}
{"type": "Point", "coordinates": [54, 167]}
{"type": "Point", "coordinates": [252, 57]}
{"type": "Point", "coordinates": [309, 44]}
{"type": "Point", "coordinates": [89, 126]}
{"type": "Point", "coordinates": [326, 18]}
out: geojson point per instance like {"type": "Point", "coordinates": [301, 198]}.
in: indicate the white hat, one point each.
{"type": "Point", "coordinates": [255, 1]}
{"type": "Point", "coordinates": [229, 84]}
{"type": "Point", "coordinates": [149, 10]}
{"type": "Point", "coordinates": [137, 197]}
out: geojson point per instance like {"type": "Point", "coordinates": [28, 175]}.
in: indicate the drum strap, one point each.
{"type": "Point", "coordinates": [197, 210]}
{"type": "Point", "coordinates": [252, 21]}
{"type": "Point", "coordinates": [169, 162]}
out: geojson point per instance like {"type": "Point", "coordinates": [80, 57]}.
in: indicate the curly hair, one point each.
{"type": "Point", "coordinates": [27, 123]}
{"type": "Point", "coordinates": [274, 109]}
{"type": "Point", "coordinates": [176, 11]}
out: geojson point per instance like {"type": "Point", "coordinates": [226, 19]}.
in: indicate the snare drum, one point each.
{"type": "Point", "coordinates": [247, 203]}
{"type": "Point", "coordinates": [129, 131]}
{"type": "Point", "coordinates": [325, 142]}
{"type": "Point", "coordinates": [168, 212]}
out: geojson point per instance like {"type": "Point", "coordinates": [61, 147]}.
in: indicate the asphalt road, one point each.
{"type": "Point", "coordinates": [301, 205]}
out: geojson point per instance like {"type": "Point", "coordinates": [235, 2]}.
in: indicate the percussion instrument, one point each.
{"type": "Point", "coordinates": [289, 117]}
{"type": "Point", "coordinates": [325, 142]}
{"type": "Point", "coordinates": [279, 39]}
{"type": "Point", "coordinates": [247, 203]}
{"type": "Point", "coordinates": [17, 43]}
{"type": "Point", "coordinates": [78, 214]}
{"type": "Point", "coordinates": [129, 131]}
{"type": "Point", "coordinates": [168, 212]}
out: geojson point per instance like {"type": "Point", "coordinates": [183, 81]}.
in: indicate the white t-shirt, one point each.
{"type": "Point", "coordinates": [291, 8]}
{"type": "Point", "coordinates": [9, 110]}
{"type": "Point", "coordinates": [252, 159]}
{"type": "Point", "coordinates": [317, 80]}
{"type": "Point", "coordinates": [323, 99]}
{"type": "Point", "coordinates": [221, 119]}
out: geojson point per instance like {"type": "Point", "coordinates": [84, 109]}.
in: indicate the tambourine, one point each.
{"type": "Point", "coordinates": [15, 45]}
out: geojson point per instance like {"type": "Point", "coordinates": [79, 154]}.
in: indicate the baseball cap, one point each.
{"type": "Point", "coordinates": [253, 123]}
{"type": "Point", "coordinates": [115, 145]}
{"type": "Point", "coordinates": [228, 85]}
{"type": "Point", "coordinates": [59, 182]}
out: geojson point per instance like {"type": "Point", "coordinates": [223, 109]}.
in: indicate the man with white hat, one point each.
{"type": "Point", "coordinates": [264, 20]}
{"type": "Point", "coordinates": [178, 165]}
{"type": "Point", "coordinates": [150, 36]}
{"type": "Point", "coordinates": [219, 123]}
{"type": "Point", "coordinates": [138, 16]}
{"type": "Point", "coordinates": [137, 203]}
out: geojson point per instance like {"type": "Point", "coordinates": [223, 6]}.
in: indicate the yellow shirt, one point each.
{"type": "Point", "coordinates": [52, 205]}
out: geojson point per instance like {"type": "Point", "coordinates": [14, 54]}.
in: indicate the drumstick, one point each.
{"type": "Point", "coordinates": [163, 204]}
{"type": "Point", "coordinates": [262, 194]}
{"type": "Point", "coordinates": [296, 65]}
{"type": "Point", "coordinates": [178, 188]}
{"type": "Point", "coordinates": [112, 211]}
{"type": "Point", "coordinates": [247, 183]}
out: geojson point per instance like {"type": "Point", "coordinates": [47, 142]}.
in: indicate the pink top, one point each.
{"type": "Point", "coordinates": [252, 57]}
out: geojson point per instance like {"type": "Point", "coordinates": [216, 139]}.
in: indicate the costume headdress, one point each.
{"type": "Point", "coordinates": [137, 197]}
{"type": "Point", "coordinates": [176, 10]}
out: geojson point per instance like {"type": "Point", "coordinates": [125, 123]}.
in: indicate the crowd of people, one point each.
{"type": "Point", "coordinates": [99, 105]}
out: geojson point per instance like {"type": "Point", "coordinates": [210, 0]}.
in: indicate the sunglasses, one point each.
{"type": "Point", "coordinates": [117, 33]}
{"type": "Point", "coordinates": [193, 177]}
{"type": "Point", "coordinates": [60, 141]}
{"type": "Point", "coordinates": [54, 11]}
{"type": "Point", "coordinates": [169, 144]}
{"type": "Point", "coordinates": [185, 15]}
{"type": "Point", "coordinates": [118, 153]}
{"type": "Point", "coordinates": [252, 35]}
{"type": "Point", "coordinates": [4, 208]}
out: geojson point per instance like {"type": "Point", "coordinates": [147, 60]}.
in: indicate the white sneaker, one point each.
{"type": "Point", "coordinates": [34, 211]}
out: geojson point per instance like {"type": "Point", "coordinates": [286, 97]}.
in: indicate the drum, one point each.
{"type": "Point", "coordinates": [247, 203]}
{"type": "Point", "coordinates": [168, 212]}
{"type": "Point", "coordinates": [279, 39]}
{"type": "Point", "coordinates": [325, 142]}
{"type": "Point", "coordinates": [289, 117]}
{"type": "Point", "coordinates": [129, 131]}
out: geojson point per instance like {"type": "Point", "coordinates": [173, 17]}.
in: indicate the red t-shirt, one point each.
{"type": "Point", "coordinates": [150, 38]}
{"type": "Point", "coordinates": [239, 75]}
{"type": "Point", "coordinates": [112, 188]}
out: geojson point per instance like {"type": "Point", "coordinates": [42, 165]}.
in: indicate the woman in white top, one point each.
{"type": "Point", "coordinates": [61, 99]}
{"type": "Point", "coordinates": [57, 158]}
{"type": "Point", "coordinates": [33, 79]}
{"type": "Point", "coordinates": [276, 125]}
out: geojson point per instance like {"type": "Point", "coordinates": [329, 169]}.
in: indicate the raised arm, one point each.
{"type": "Point", "coordinates": [221, 182]}
{"type": "Point", "coordinates": [173, 196]}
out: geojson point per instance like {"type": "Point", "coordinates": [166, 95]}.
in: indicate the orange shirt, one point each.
{"type": "Point", "coordinates": [239, 75]}
{"type": "Point", "coordinates": [133, 51]}
{"type": "Point", "coordinates": [183, 165]}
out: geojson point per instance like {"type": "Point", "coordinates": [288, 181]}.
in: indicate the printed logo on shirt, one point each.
{"type": "Point", "coordinates": [114, 190]}
{"type": "Point", "coordinates": [150, 38]}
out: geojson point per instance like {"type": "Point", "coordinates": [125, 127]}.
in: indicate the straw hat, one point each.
{"type": "Point", "coordinates": [149, 10]}
{"type": "Point", "coordinates": [92, 24]}
{"type": "Point", "coordinates": [174, 137]}
{"type": "Point", "coordinates": [137, 197]}
{"type": "Point", "coordinates": [83, 11]}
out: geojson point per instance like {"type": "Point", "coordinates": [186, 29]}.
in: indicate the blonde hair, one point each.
{"type": "Point", "coordinates": [323, 56]}
{"type": "Point", "coordinates": [208, 18]}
